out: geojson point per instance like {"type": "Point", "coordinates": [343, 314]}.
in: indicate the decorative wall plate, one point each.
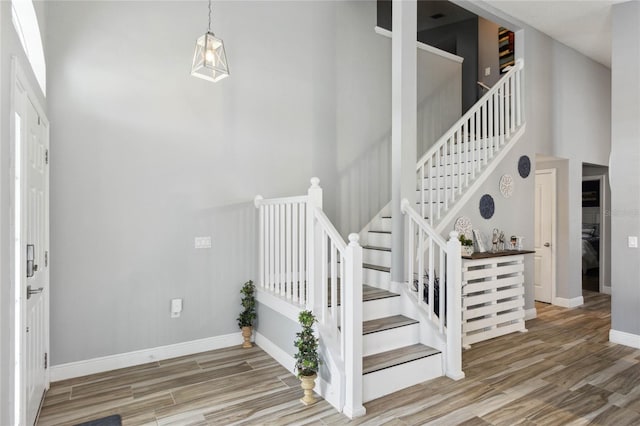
{"type": "Point", "coordinates": [463, 227]}
{"type": "Point", "coordinates": [524, 166]}
{"type": "Point", "coordinates": [506, 186]}
{"type": "Point", "coordinates": [487, 206]}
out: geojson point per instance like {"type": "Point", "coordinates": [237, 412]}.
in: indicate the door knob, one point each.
{"type": "Point", "coordinates": [547, 245]}
{"type": "Point", "coordinates": [31, 292]}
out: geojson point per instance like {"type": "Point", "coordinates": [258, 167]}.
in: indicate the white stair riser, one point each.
{"type": "Point", "coordinates": [401, 376]}
{"type": "Point", "coordinates": [376, 278]}
{"type": "Point", "coordinates": [377, 257]}
{"type": "Point", "coordinates": [379, 239]}
{"type": "Point", "coordinates": [381, 308]}
{"type": "Point", "coordinates": [387, 340]}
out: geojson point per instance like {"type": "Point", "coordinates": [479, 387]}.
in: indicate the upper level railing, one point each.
{"type": "Point", "coordinates": [434, 270]}
{"type": "Point", "coordinates": [453, 162]}
{"type": "Point", "coordinates": [304, 260]}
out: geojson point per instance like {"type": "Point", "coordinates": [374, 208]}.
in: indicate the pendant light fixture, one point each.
{"type": "Point", "coordinates": [209, 59]}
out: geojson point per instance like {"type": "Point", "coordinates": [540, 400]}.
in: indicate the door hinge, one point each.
{"type": "Point", "coordinates": [46, 156]}
{"type": "Point", "coordinates": [46, 360]}
{"type": "Point", "coordinates": [46, 259]}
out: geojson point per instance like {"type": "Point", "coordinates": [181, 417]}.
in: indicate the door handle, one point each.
{"type": "Point", "coordinates": [547, 245]}
{"type": "Point", "coordinates": [32, 291]}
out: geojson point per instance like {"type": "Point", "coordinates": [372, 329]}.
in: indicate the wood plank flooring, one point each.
{"type": "Point", "coordinates": [563, 371]}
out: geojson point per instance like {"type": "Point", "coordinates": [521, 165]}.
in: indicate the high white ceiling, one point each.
{"type": "Point", "coordinates": [582, 25]}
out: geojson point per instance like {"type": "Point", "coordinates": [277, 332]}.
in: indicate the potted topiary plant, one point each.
{"type": "Point", "coordinates": [466, 247]}
{"type": "Point", "coordinates": [248, 314]}
{"type": "Point", "coordinates": [307, 358]}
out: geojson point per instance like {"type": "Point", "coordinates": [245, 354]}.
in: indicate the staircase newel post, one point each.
{"type": "Point", "coordinates": [454, 308]}
{"type": "Point", "coordinates": [314, 201]}
{"type": "Point", "coordinates": [353, 328]}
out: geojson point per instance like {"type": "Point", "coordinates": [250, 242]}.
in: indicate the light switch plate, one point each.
{"type": "Point", "coordinates": [633, 242]}
{"type": "Point", "coordinates": [203, 242]}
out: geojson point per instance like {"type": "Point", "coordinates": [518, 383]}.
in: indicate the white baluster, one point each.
{"type": "Point", "coordinates": [431, 280]}
{"type": "Point", "coordinates": [441, 289]}
{"type": "Point", "coordinates": [420, 267]}
{"type": "Point", "coordinates": [334, 282]}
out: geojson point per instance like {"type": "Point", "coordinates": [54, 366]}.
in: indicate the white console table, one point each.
{"type": "Point", "coordinates": [492, 295]}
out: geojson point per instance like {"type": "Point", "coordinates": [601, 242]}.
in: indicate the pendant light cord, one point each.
{"type": "Point", "coordinates": [209, 15]}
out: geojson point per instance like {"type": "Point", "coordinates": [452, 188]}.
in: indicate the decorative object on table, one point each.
{"type": "Point", "coordinates": [466, 245]}
{"type": "Point", "coordinates": [501, 241]}
{"type": "Point", "coordinates": [487, 206]}
{"type": "Point", "coordinates": [519, 243]}
{"type": "Point", "coordinates": [248, 314]}
{"type": "Point", "coordinates": [210, 59]}
{"type": "Point", "coordinates": [494, 240]}
{"type": "Point", "coordinates": [307, 358]}
{"type": "Point", "coordinates": [478, 241]}
{"type": "Point", "coordinates": [463, 227]}
{"type": "Point", "coordinates": [524, 166]}
{"type": "Point", "coordinates": [513, 242]}
{"type": "Point", "coordinates": [506, 186]}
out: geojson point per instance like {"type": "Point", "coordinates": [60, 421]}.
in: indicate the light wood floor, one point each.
{"type": "Point", "coordinates": [563, 371]}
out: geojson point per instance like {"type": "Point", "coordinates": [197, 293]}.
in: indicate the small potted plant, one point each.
{"type": "Point", "coordinates": [466, 247]}
{"type": "Point", "coordinates": [248, 314]}
{"type": "Point", "coordinates": [307, 358]}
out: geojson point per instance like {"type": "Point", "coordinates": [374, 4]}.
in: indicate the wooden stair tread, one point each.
{"type": "Point", "coordinates": [376, 267]}
{"type": "Point", "coordinates": [376, 248]}
{"type": "Point", "coordinates": [377, 362]}
{"type": "Point", "coordinates": [374, 293]}
{"type": "Point", "coordinates": [387, 323]}
{"type": "Point", "coordinates": [380, 232]}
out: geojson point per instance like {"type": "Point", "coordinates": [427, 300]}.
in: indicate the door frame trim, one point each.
{"type": "Point", "coordinates": [554, 228]}
{"type": "Point", "coordinates": [602, 262]}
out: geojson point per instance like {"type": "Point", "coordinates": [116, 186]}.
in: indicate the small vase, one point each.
{"type": "Point", "coordinates": [467, 250]}
{"type": "Point", "coordinates": [308, 383]}
{"type": "Point", "coordinates": [246, 334]}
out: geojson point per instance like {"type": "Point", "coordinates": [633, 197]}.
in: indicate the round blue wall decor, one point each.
{"type": "Point", "coordinates": [487, 206]}
{"type": "Point", "coordinates": [524, 166]}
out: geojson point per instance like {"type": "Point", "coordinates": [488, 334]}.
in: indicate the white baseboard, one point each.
{"type": "Point", "coordinates": [624, 338]}
{"type": "Point", "coordinates": [606, 289]}
{"type": "Point", "coordinates": [129, 359]}
{"type": "Point", "coordinates": [274, 351]}
{"type": "Point", "coordinates": [530, 314]}
{"type": "Point", "coordinates": [568, 303]}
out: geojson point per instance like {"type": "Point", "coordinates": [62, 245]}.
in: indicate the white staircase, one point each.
{"type": "Point", "coordinates": [409, 332]}
{"type": "Point", "coordinates": [447, 176]}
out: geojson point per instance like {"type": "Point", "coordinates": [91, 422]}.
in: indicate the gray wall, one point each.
{"type": "Point", "coordinates": [624, 171]}
{"type": "Point", "coordinates": [146, 157]}
{"type": "Point", "coordinates": [439, 97]}
{"type": "Point", "coordinates": [9, 47]}
{"type": "Point", "coordinates": [488, 52]}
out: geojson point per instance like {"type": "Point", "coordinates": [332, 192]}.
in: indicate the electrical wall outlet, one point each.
{"type": "Point", "coordinates": [202, 242]}
{"type": "Point", "coordinates": [633, 242]}
{"type": "Point", "coordinates": [176, 308]}
{"type": "Point", "coordinates": [487, 71]}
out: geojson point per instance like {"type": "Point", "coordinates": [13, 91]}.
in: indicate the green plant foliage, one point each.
{"type": "Point", "coordinates": [464, 240]}
{"type": "Point", "coordinates": [307, 358]}
{"type": "Point", "coordinates": [248, 314]}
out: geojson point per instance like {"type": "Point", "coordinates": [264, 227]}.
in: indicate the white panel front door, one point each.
{"type": "Point", "coordinates": [545, 212]}
{"type": "Point", "coordinates": [36, 214]}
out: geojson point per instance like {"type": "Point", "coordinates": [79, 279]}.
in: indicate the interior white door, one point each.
{"type": "Point", "coordinates": [545, 218]}
{"type": "Point", "coordinates": [36, 214]}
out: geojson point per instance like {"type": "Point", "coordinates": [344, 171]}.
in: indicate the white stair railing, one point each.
{"type": "Point", "coordinates": [454, 161]}
{"type": "Point", "coordinates": [434, 270]}
{"type": "Point", "coordinates": [304, 260]}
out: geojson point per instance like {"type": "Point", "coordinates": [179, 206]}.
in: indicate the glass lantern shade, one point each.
{"type": "Point", "coordinates": [209, 59]}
